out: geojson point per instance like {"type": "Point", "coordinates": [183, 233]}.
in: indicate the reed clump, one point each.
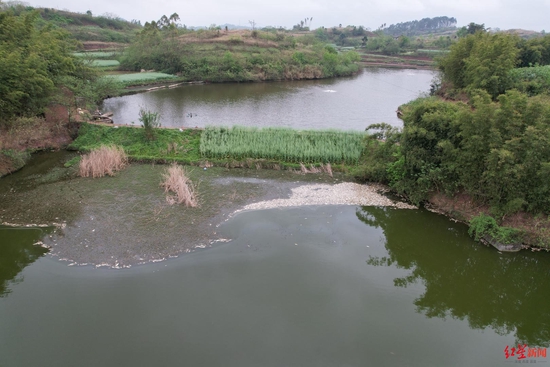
{"type": "Point", "coordinates": [175, 180]}
{"type": "Point", "coordinates": [105, 160]}
{"type": "Point", "coordinates": [283, 144]}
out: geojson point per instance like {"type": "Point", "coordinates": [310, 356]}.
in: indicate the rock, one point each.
{"type": "Point", "coordinates": [512, 247]}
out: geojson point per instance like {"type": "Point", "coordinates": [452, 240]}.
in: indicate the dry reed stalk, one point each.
{"type": "Point", "coordinates": [314, 169]}
{"type": "Point", "coordinates": [105, 160]}
{"type": "Point", "coordinates": [176, 181]}
{"type": "Point", "coordinates": [327, 169]}
{"type": "Point", "coordinates": [303, 168]}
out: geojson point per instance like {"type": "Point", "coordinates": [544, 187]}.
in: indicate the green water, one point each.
{"type": "Point", "coordinates": [313, 286]}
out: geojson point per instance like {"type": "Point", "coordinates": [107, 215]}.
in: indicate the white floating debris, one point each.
{"type": "Point", "coordinates": [345, 193]}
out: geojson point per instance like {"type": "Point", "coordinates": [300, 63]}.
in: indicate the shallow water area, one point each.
{"type": "Point", "coordinates": [352, 103]}
{"type": "Point", "coordinates": [125, 220]}
{"type": "Point", "coordinates": [311, 286]}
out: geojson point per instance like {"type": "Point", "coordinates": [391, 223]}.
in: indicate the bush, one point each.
{"type": "Point", "coordinates": [176, 181]}
{"type": "Point", "coordinates": [484, 225]}
{"type": "Point", "coordinates": [105, 160]}
{"type": "Point", "coordinates": [150, 121]}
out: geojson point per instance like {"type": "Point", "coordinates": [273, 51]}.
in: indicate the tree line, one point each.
{"type": "Point", "coordinates": [482, 132]}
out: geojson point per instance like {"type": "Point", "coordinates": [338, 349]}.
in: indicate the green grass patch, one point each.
{"type": "Point", "coordinates": [135, 78]}
{"type": "Point", "coordinates": [105, 63]}
{"type": "Point", "coordinates": [95, 54]}
{"type": "Point", "coordinates": [231, 147]}
{"type": "Point", "coordinates": [284, 144]}
{"type": "Point", "coordinates": [168, 144]}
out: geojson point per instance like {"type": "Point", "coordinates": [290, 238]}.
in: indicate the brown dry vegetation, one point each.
{"type": "Point", "coordinates": [176, 181]}
{"type": "Point", "coordinates": [105, 160]}
{"type": "Point", "coordinates": [36, 134]}
{"type": "Point", "coordinates": [24, 135]}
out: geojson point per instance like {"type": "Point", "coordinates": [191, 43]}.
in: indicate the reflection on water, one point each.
{"type": "Point", "coordinates": [17, 251]}
{"type": "Point", "coordinates": [292, 289]}
{"type": "Point", "coordinates": [345, 103]}
{"type": "Point", "coordinates": [466, 281]}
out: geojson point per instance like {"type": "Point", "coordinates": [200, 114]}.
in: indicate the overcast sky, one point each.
{"type": "Point", "coordinates": [504, 14]}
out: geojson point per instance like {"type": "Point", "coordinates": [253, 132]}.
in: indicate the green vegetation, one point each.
{"type": "Point", "coordinates": [418, 27]}
{"type": "Point", "coordinates": [531, 80]}
{"type": "Point", "coordinates": [483, 139]}
{"type": "Point", "coordinates": [105, 63]}
{"type": "Point", "coordinates": [95, 54]}
{"type": "Point", "coordinates": [216, 56]}
{"type": "Point", "coordinates": [283, 144]}
{"type": "Point", "coordinates": [137, 78]}
{"type": "Point", "coordinates": [481, 61]}
{"type": "Point", "coordinates": [484, 225]}
{"type": "Point", "coordinates": [150, 121]}
{"type": "Point", "coordinates": [223, 146]}
{"type": "Point", "coordinates": [168, 145]}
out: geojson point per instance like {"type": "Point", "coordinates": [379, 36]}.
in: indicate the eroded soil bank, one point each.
{"type": "Point", "coordinates": [125, 220]}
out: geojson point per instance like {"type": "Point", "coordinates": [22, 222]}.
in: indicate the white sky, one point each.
{"type": "Point", "coordinates": [504, 14]}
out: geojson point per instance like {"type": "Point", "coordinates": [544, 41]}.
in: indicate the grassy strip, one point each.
{"type": "Point", "coordinates": [284, 144]}
{"type": "Point", "coordinates": [137, 77]}
{"type": "Point", "coordinates": [95, 54]}
{"type": "Point", "coordinates": [105, 63]}
{"type": "Point", "coordinates": [184, 146]}
{"type": "Point", "coordinates": [168, 144]}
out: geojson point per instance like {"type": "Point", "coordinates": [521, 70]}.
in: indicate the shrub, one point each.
{"type": "Point", "coordinates": [484, 225]}
{"type": "Point", "coordinates": [150, 120]}
{"type": "Point", "coordinates": [105, 160]}
{"type": "Point", "coordinates": [176, 181]}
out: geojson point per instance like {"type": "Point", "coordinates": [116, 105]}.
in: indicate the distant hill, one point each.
{"type": "Point", "coordinates": [84, 26]}
{"type": "Point", "coordinates": [418, 27]}
{"type": "Point", "coordinates": [525, 34]}
{"type": "Point", "coordinates": [230, 27]}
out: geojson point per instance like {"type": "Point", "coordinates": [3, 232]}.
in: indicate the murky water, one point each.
{"type": "Point", "coordinates": [345, 103]}
{"type": "Point", "coordinates": [315, 286]}
{"type": "Point", "coordinates": [311, 286]}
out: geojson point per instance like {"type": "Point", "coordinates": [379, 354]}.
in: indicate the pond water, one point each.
{"type": "Point", "coordinates": [351, 103]}
{"type": "Point", "coordinates": [309, 286]}
{"type": "Point", "coordinates": [312, 286]}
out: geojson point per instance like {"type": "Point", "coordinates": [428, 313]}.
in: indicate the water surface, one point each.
{"type": "Point", "coordinates": [344, 103]}
{"type": "Point", "coordinates": [314, 286]}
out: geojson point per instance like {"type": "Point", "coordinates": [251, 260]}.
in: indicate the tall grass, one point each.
{"type": "Point", "coordinates": [176, 181]}
{"type": "Point", "coordinates": [105, 160]}
{"type": "Point", "coordinates": [284, 144]}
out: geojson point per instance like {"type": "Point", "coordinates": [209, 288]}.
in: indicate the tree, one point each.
{"type": "Point", "coordinates": [481, 61]}
{"type": "Point", "coordinates": [33, 60]}
{"type": "Point", "coordinates": [472, 28]}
